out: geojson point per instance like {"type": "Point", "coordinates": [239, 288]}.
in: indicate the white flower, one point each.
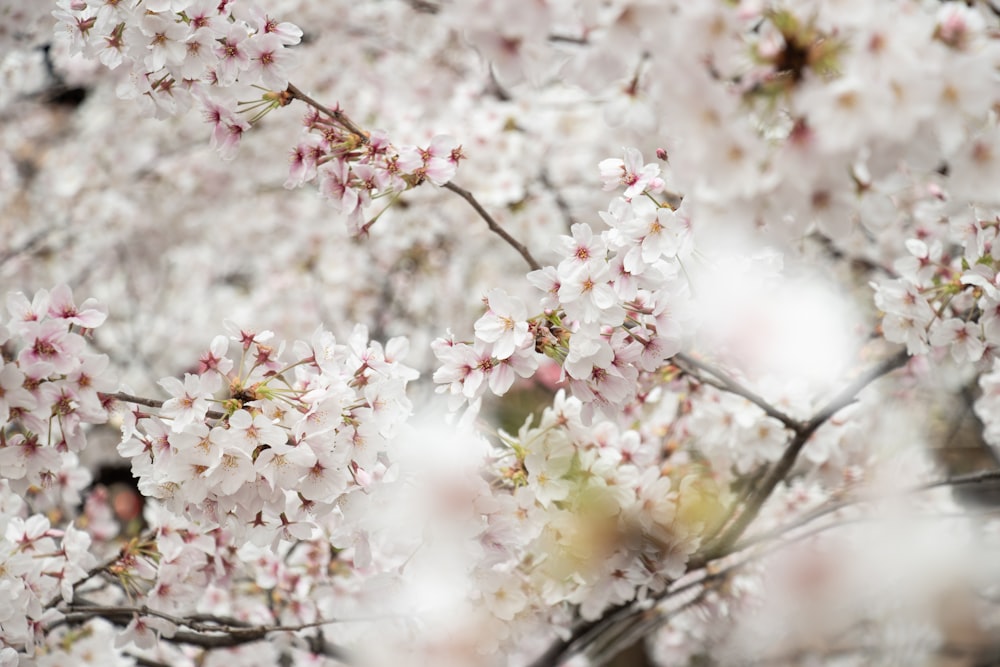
{"type": "Point", "coordinates": [504, 324]}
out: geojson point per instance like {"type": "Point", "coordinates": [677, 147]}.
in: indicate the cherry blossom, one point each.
{"type": "Point", "coordinates": [298, 470]}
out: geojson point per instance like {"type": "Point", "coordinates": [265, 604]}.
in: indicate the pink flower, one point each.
{"type": "Point", "coordinates": [335, 185]}
{"type": "Point", "coordinates": [287, 33]}
{"type": "Point", "coordinates": [522, 363]}
{"type": "Point", "coordinates": [233, 54]}
{"type": "Point", "coordinates": [227, 128]}
{"type": "Point", "coordinates": [61, 306]}
{"type": "Point", "coordinates": [248, 432]}
{"type": "Point", "coordinates": [269, 61]}
{"type": "Point", "coordinates": [50, 349]}
{"type": "Point", "coordinates": [303, 161]}
{"type": "Point", "coordinates": [190, 398]}
{"type": "Point", "coordinates": [437, 163]}
{"type": "Point", "coordinates": [23, 311]}
{"type": "Point", "coordinates": [580, 250]}
{"type": "Point", "coordinates": [12, 392]}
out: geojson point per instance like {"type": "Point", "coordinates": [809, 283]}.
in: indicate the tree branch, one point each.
{"type": "Point", "coordinates": [210, 633]}
{"type": "Point", "coordinates": [723, 546]}
{"type": "Point", "coordinates": [493, 225]}
{"type": "Point", "coordinates": [728, 384]}
{"type": "Point", "coordinates": [342, 118]}
{"type": "Point", "coordinates": [803, 432]}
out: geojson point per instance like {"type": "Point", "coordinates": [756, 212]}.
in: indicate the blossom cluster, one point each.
{"type": "Point", "coordinates": [51, 391]}
{"type": "Point", "coordinates": [51, 388]}
{"type": "Point", "coordinates": [945, 295]}
{"type": "Point", "coordinates": [259, 443]}
{"type": "Point", "coordinates": [39, 566]}
{"type": "Point", "coordinates": [186, 52]}
{"type": "Point", "coordinates": [219, 56]}
{"type": "Point", "coordinates": [354, 169]}
{"type": "Point", "coordinates": [611, 306]}
{"type": "Point", "coordinates": [589, 517]}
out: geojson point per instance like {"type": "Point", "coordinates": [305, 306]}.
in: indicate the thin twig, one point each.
{"type": "Point", "coordinates": [818, 513]}
{"type": "Point", "coordinates": [496, 228]}
{"type": "Point", "coordinates": [727, 383]}
{"type": "Point", "coordinates": [105, 564]}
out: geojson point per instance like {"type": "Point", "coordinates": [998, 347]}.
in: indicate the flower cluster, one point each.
{"type": "Point", "coordinates": [946, 295]}
{"type": "Point", "coordinates": [220, 56]}
{"type": "Point", "coordinates": [611, 305]}
{"type": "Point", "coordinates": [260, 443]}
{"type": "Point", "coordinates": [39, 565]}
{"type": "Point", "coordinates": [354, 169]}
{"type": "Point", "coordinates": [50, 389]}
{"type": "Point", "coordinates": [588, 517]}
{"type": "Point", "coordinates": [182, 52]}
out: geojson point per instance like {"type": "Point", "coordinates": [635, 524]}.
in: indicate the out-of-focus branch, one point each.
{"type": "Point", "coordinates": [972, 479]}
{"type": "Point", "coordinates": [753, 504]}
{"type": "Point", "coordinates": [625, 624]}
{"type": "Point", "coordinates": [560, 201]}
{"type": "Point", "coordinates": [725, 544]}
{"type": "Point", "coordinates": [721, 380]}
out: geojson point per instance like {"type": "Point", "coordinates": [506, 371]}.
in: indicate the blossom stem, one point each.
{"type": "Point", "coordinates": [336, 114]}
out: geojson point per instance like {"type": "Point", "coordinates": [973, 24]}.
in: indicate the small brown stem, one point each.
{"type": "Point", "coordinates": [336, 114]}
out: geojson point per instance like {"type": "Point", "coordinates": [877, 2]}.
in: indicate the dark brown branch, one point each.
{"type": "Point", "coordinates": [726, 383]}
{"type": "Point", "coordinates": [336, 114]}
{"type": "Point", "coordinates": [423, 7]}
{"type": "Point", "coordinates": [205, 634]}
{"type": "Point", "coordinates": [586, 633]}
{"type": "Point", "coordinates": [496, 228]}
{"type": "Point", "coordinates": [146, 662]}
{"type": "Point", "coordinates": [780, 470]}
